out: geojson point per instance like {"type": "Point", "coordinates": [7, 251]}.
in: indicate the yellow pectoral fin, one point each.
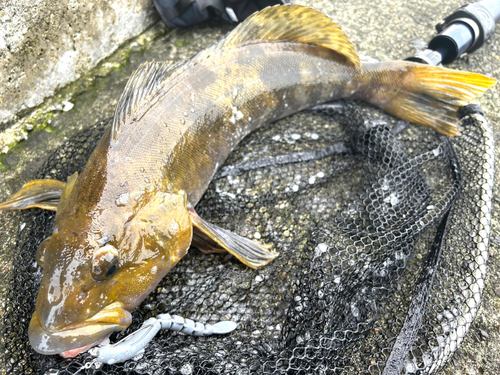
{"type": "Point", "coordinates": [252, 254]}
{"type": "Point", "coordinates": [45, 194]}
{"type": "Point", "coordinates": [68, 188]}
{"type": "Point", "coordinates": [38, 193]}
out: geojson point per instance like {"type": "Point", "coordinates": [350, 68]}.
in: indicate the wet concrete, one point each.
{"type": "Point", "coordinates": [383, 30]}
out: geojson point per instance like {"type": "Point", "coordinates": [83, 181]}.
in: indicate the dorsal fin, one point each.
{"type": "Point", "coordinates": [144, 83]}
{"type": "Point", "coordinates": [293, 23]}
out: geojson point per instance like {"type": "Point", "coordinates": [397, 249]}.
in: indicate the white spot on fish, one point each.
{"type": "Point", "coordinates": [192, 109]}
{"type": "Point", "coordinates": [122, 199]}
{"type": "Point", "coordinates": [259, 279]}
{"type": "Point", "coordinates": [312, 179]}
{"type": "Point", "coordinates": [436, 151]}
{"type": "Point", "coordinates": [174, 227]}
{"type": "Point", "coordinates": [238, 115]}
{"type": "Point", "coordinates": [141, 169]}
{"type": "Point", "coordinates": [22, 226]}
{"type": "Point", "coordinates": [276, 138]}
{"type": "Point", "coordinates": [185, 113]}
{"type": "Point", "coordinates": [154, 270]}
{"type": "Point", "coordinates": [295, 188]}
{"type": "Point", "coordinates": [192, 96]}
{"type": "Point", "coordinates": [257, 236]}
{"type": "Point", "coordinates": [146, 180]}
{"type": "Point", "coordinates": [320, 175]}
{"type": "Point", "coordinates": [314, 136]}
{"type": "Point", "coordinates": [235, 92]}
{"type": "Point", "coordinates": [295, 136]}
{"type": "Point", "coordinates": [249, 118]}
{"type": "Point", "coordinates": [183, 121]}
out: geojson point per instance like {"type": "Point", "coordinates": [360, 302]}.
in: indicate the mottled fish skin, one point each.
{"type": "Point", "coordinates": [212, 106]}
{"type": "Point", "coordinates": [128, 218]}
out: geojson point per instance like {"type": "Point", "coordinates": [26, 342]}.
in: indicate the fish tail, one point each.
{"type": "Point", "coordinates": [422, 94]}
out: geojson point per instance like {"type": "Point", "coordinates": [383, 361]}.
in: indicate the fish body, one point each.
{"type": "Point", "coordinates": [128, 218]}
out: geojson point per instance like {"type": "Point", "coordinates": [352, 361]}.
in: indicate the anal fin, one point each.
{"type": "Point", "coordinates": [251, 253]}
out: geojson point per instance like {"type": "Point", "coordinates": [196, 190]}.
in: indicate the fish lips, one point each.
{"type": "Point", "coordinates": [81, 335]}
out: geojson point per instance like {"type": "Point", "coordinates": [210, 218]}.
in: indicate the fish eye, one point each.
{"type": "Point", "coordinates": [111, 271]}
{"type": "Point", "coordinates": [104, 263]}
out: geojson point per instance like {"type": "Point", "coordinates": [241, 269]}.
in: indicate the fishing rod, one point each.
{"type": "Point", "coordinates": [463, 31]}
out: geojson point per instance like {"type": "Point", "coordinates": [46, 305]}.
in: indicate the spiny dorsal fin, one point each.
{"type": "Point", "coordinates": [293, 23]}
{"type": "Point", "coordinates": [144, 83]}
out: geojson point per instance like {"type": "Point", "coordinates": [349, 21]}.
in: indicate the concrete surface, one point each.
{"type": "Point", "coordinates": [381, 29]}
{"type": "Point", "coordinates": [44, 45]}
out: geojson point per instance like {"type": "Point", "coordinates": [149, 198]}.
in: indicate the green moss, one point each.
{"type": "Point", "coordinates": [181, 43]}
{"type": "Point", "coordinates": [49, 129]}
{"type": "Point", "coordinates": [3, 168]}
{"type": "Point", "coordinates": [40, 118]}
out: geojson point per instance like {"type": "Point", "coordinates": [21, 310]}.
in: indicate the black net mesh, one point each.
{"type": "Point", "coordinates": [382, 231]}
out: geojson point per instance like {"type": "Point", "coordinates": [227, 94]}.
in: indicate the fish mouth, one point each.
{"type": "Point", "coordinates": [78, 337]}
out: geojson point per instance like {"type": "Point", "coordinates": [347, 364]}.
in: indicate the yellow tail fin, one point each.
{"type": "Point", "coordinates": [423, 94]}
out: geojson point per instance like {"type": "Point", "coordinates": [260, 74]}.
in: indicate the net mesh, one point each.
{"type": "Point", "coordinates": [382, 230]}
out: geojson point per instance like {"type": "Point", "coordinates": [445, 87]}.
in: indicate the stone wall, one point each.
{"type": "Point", "coordinates": [46, 44]}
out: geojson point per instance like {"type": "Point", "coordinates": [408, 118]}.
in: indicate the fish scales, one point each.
{"type": "Point", "coordinates": [251, 85]}
{"type": "Point", "coordinates": [235, 92]}
{"type": "Point", "coordinates": [129, 217]}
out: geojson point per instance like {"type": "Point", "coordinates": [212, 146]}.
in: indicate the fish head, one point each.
{"type": "Point", "coordinates": [89, 287]}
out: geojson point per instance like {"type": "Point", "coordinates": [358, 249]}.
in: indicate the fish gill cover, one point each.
{"type": "Point", "coordinates": [382, 232]}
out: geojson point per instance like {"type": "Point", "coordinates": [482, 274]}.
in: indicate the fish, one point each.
{"type": "Point", "coordinates": [129, 217]}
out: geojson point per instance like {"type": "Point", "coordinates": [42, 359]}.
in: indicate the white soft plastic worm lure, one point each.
{"type": "Point", "coordinates": [133, 345]}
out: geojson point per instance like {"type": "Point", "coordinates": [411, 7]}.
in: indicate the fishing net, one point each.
{"type": "Point", "coordinates": [382, 229]}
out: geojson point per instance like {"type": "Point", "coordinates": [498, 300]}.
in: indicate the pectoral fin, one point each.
{"type": "Point", "coordinates": [204, 243]}
{"type": "Point", "coordinates": [45, 194]}
{"type": "Point", "coordinates": [68, 188]}
{"type": "Point", "coordinates": [252, 254]}
{"type": "Point", "coordinates": [38, 193]}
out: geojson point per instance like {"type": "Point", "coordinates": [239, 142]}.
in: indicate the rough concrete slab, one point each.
{"type": "Point", "coordinates": [381, 29]}
{"type": "Point", "coordinates": [44, 45]}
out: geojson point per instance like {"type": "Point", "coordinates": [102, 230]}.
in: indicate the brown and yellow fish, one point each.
{"type": "Point", "coordinates": [128, 218]}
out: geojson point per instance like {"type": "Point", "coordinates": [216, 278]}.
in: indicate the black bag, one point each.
{"type": "Point", "coordinates": [178, 13]}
